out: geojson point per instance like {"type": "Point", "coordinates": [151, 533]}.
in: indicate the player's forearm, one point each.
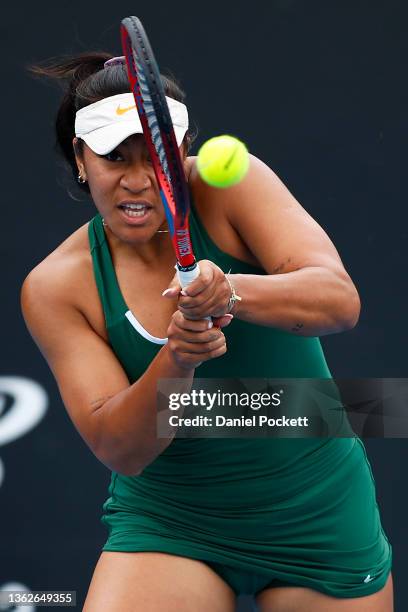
{"type": "Point", "coordinates": [312, 301]}
{"type": "Point", "coordinates": [127, 438]}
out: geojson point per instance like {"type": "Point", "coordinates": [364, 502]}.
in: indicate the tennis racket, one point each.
{"type": "Point", "coordinates": [151, 104]}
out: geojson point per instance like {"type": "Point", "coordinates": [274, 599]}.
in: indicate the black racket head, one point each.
{"type": "Point", "coordinates": [157, 113]}
{"type": "Point", "coordinates": [148, 91]}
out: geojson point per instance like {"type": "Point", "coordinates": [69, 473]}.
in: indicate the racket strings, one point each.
{"type": "Point", "coordinates": [156, 134]}
{"type": "Point", "coordinates": [152, 119]}
{"type": "Point", "coordinates": [147, 83]}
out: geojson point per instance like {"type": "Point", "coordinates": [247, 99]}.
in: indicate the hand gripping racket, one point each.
{"type": "Point", "coordinates": [151, 104]}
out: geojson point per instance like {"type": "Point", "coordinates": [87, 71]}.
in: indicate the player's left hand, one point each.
{"type": "Point", "coordinates": [207, 296]}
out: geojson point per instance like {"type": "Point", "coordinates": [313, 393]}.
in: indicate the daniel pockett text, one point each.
{"type": "Point", "coordinates": [207, 401]}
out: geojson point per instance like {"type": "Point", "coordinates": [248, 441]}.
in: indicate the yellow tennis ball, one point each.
{"type": "Point", "coordinates": [223, 161]}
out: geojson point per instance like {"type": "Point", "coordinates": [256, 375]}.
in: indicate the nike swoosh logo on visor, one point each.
{"type": "Point", "coordinates": [122, 111]}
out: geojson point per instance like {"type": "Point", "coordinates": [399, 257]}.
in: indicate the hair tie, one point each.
{"type": "Point", "coordinates": [115, 61]}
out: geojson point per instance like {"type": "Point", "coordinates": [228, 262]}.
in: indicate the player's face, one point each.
{"type": "Point", "coordinates": [124, 189]}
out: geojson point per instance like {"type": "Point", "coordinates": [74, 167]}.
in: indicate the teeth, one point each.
{"type": "Point", "coordinates": [135, 213]}
{"type": "Point", "coordinates": [135, 206]}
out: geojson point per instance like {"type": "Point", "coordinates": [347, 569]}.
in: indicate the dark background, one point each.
{"type": "Point", "coordinates": [318, 91]}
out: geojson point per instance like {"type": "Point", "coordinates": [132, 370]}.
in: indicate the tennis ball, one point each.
{"type": "Point", "coordinates": [223, 161]}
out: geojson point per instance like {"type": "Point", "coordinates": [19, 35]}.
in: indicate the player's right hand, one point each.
{"type": "Point", "coordinates": [190, 342]}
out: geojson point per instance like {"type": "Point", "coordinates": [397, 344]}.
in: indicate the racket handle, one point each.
{"type": "Point", "coordinates": [185, 278]}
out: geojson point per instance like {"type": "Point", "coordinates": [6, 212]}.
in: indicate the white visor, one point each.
{"type": "Point", "coordinates": [103, 125]}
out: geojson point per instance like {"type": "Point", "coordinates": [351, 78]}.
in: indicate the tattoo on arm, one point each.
{"type": "Point", "coordinates": [281, 266]}
{"type": "Point", "coordinates": [297, 327]}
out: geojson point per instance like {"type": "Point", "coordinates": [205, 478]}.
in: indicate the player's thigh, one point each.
{"type": "Point", "coordinates": [299, 599]}
{"type": "Point", "coordinates": [153, 582]}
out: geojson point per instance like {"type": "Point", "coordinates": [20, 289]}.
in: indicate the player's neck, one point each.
{"type": "Point", "coordinates": [156, 252]}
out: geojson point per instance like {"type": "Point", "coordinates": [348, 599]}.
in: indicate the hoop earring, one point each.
{"type": "Point", "coordinates": [81, 180]}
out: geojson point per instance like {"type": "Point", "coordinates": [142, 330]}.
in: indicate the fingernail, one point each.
{"type": "Point", "coordinates": [210, 324]}
{"type": "Point", "coordinates": [166, 291]}
{"type": "Point", "coordinates": [184, 292]}
{"type": "Point", "coordinates": [229, 316]}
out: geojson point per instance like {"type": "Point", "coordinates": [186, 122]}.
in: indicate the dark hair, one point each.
{"type": "Point", "coordinates": [87, 82]}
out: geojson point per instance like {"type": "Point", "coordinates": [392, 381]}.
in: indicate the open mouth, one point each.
{"type": "Point", "coordinates": [134, 211]}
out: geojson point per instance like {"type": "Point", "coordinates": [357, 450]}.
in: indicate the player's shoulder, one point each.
{"type": "Point", "coordinates": [258, 172]}
{"type": "Point", "coordinates": [212, 206]}
{"type": "Point", "coordinates": [259, 182]}
{"type": "Point", "coordinates": [62, 274]}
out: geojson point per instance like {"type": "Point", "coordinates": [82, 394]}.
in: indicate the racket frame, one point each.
{"type": "Point", "coordinates": [143, 73]}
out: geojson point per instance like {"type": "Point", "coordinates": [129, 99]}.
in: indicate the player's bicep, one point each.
{"type": "Point", "coordinates": [85, 368]}
{"type": "Point", "coordinates": [274, 226]}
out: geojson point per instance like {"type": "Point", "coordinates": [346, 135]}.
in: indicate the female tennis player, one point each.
{"type": "Point", "coordinates": [192, 523]}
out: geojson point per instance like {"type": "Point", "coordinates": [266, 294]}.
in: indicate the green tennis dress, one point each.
{"type": "Point", "coordinates": [260, 512]}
